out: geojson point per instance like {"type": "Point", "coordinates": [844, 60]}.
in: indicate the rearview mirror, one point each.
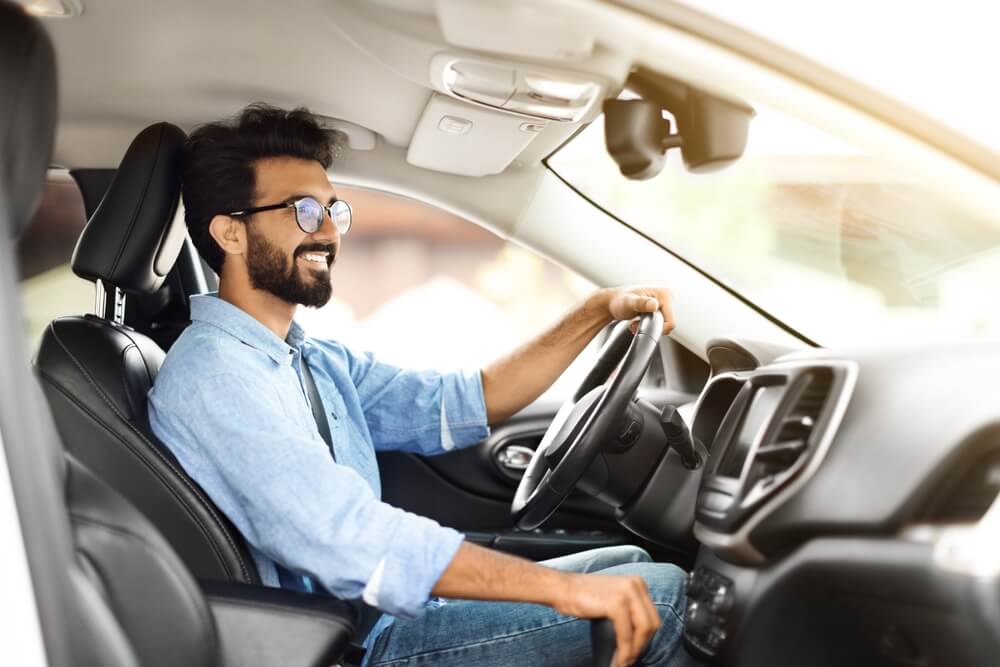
{"type": "Point", "coordinates": [711, 131]}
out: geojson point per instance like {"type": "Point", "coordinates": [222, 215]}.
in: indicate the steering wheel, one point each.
{"type": "Point", "coordinates": [586, 421]}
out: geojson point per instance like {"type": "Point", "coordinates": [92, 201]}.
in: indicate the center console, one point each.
{"type": "Point", "coordinates": [766, 431]}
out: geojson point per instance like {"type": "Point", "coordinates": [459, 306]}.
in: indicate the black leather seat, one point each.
{"type": "Point", "coordinates": [110, 590]}
{"type": "Point", "coordinates": [96, 371]}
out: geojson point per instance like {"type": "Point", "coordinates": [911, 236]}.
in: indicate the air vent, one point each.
{"type": "Point", "coordinates": [775, 458]}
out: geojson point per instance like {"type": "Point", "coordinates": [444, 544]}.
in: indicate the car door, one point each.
{"type": "Point", "coordinates": [472, 489]}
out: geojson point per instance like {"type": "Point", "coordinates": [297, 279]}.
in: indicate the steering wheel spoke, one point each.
{"type": "Point", "coordinates": [585, 421]}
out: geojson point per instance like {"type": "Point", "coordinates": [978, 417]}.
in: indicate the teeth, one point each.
{"type": "Point", "coordinates": [312, 257]}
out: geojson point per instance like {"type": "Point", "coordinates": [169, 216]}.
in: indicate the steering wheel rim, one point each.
{"type": "Point", "coordinates": [585, 420]}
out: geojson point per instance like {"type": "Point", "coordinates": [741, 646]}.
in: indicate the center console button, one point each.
{"type": "Point", "coordinates": [722, 600]}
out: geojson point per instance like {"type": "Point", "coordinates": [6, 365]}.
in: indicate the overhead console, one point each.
{"type": "Point", "coordinates": [487, 111]}
{"type": "Point", "coordinates": [767, 430]}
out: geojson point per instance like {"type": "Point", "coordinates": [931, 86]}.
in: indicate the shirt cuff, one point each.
{"type": "Point", "coordinates": [463, 410]}
{"type": "Point", "coordinates": [374, 586]}
{"type": "Point", "coordinates": [418, 553]}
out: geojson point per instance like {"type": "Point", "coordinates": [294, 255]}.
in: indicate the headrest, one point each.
{"type": "Point", "coordinates": [27, 115]}
{"type": "Point", "coordinates": [132, 240]}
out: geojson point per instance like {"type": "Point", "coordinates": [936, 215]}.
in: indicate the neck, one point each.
{"type": "Point", "coordinates": [269, 310]}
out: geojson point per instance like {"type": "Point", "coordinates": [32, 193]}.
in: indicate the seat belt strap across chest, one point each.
{"type": "Point", "coordinates": [316, 403]}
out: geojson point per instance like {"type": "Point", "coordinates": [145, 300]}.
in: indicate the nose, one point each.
{"type": "Point", "coordinates": [327, 232]}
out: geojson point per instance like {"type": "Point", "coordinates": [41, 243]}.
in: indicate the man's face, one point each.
{"type": "Point", "coordinates": [281, 258]}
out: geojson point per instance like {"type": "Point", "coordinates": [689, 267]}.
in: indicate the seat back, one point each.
{"type": "Point", "coordinates": [96, 371]}
{"type": "Point", "coordinates": [156, 602]}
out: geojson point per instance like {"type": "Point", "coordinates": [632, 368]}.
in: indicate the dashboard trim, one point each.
{"type": "Point", "coordinates": [738, 546]}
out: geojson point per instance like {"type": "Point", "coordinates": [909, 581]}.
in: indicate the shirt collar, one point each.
{"type": "Point", "coordinates": [209, 308]}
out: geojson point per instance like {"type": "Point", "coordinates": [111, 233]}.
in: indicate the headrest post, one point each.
{"type": "Point", "coordinates": [100, 298]}
{"type": "Point", "coordinates": [119, 315]}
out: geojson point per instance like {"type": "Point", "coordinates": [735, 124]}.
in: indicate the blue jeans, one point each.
{"type": "Point", "coordinates": [502, 634]}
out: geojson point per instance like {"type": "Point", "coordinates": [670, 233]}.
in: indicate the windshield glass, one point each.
{"type": "Point", "coordinates": [941, 67]}
{"type": "Point", "coordinates": [837, 244]}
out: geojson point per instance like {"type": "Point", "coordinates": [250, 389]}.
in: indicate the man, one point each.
{"type": "Point", "coordinates": [231, 403]}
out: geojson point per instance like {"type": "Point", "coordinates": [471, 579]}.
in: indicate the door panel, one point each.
{"type": "Point", "coordinates": [471, 491]}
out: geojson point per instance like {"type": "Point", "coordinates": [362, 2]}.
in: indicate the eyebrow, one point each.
{"type": "Point", "coordinates": [290, 198]}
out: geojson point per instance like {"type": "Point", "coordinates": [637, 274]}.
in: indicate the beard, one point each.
{"type": "Point", "coordinates": [273, 271]}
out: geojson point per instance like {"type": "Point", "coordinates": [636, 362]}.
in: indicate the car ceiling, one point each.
{"type": "Point", "coordinates": [124, 65]}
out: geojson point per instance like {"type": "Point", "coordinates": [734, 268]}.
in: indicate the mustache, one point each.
{"type": "Point", "coordinates": [329, 248]}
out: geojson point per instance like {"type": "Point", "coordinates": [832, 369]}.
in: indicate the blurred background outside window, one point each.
{"type": "Point", "coordinates": [416, 285]}
{"type": "Point", "coordinates": [840, 245]}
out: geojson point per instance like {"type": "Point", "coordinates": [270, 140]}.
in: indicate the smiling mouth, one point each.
{"type": "Point", "coordinates": [318, 259]}
{"type": "Point", "coordinates": [315, 257]}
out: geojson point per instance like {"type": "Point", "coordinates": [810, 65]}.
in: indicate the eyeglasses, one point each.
{"type": "Point", "coordinates": [309, 213]}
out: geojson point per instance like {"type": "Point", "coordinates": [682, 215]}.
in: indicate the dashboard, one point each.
{"type": "Point", "coordinates": [847, 511]}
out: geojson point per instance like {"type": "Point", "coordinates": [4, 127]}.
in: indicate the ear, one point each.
{"type": "Point", "coordinates": [230, 233]}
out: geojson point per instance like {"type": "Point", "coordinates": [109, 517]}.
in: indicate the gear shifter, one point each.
{"type": "Point", "coordinates": [602, 642]}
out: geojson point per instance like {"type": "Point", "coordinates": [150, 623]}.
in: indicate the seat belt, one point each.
{"type": "Point", "coordinates": [316, 403]}
{"type": "Point", "coordinates": [368, 616]}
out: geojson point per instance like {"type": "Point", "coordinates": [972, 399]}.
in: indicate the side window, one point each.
{"type": "Point", "coordinates": [422, 288]}
{"type": "Point", "coordinates": [49, 287]}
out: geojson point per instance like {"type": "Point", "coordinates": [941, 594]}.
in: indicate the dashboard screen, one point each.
{"type": "Point", "coordinates": [762, 406]}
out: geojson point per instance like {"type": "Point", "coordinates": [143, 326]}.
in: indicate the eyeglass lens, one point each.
{"type": "Point", "coordinates": [309, 215]}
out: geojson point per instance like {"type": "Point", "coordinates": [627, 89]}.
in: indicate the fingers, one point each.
{"type": "Point", "coordinates": [630, 303]}
{"type": "Point", "coordinates": [636, 621]}
{"type": "Point", "coordinates": [663, 301]}
{"type": "Point", "coordinates": [621, 617]}
{"type": "Point", "coordinates": [646, 619]}
{"type": "Point", "coordinates": [640, 303]}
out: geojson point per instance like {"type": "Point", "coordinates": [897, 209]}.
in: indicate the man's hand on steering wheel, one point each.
{"type": "Point", "coordinates": [592, 415]}
{"type": "Point", "coordinates": [626, 303]}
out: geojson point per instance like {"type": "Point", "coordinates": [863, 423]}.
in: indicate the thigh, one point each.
{"type": "Point", "coordinates": [499, 634]}
{"type": "Point", "coordinates": [453, 633]}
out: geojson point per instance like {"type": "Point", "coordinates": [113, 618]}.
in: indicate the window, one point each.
{"type": "Point", "coordinates": [841, 246]}
{"type": "Point", "coordinates": [417, 286]}
{"type": "Point", "coordinates": [49, 287]}
{"type": "Point", "coordinates": [422, 288]}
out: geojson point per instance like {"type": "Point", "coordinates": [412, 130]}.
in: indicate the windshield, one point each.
{"type": "Point", "coordinates": [941, 67]}
{"type": "Point", "coordinates": [840, 246]}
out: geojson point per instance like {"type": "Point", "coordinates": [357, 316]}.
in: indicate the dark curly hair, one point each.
{"type": "Point", "coordinates": [217, 168]}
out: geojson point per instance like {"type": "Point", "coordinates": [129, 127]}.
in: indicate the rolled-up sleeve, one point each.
{"type": "Point", "coordinates": [421, 411]}
{"type": "Point", "coordinates": [290, 499]}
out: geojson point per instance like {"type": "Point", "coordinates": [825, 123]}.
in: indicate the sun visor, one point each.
{"type": "Point", "coordinates": [459, 138]}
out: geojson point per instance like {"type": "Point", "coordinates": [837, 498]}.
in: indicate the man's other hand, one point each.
{"type": "Point", "coordinates": [626, 303]}
{"type": "Point", "coordinates": [624, 601]}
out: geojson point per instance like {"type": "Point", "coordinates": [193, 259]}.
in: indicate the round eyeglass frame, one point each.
{"type": "Point", "coordinates": [339, 211]}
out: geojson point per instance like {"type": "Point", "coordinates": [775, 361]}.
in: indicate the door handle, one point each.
{"type": "Point", "coordinates": [514, 457]}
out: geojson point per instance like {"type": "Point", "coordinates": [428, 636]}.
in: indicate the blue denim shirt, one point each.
{"type": "Point", "coordinates": [230, 404]}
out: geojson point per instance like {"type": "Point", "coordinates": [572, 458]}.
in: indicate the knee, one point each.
{"type": "Point", "coordinates": [667, 584]}
{"type": "Point", "coordinates": [629, 553]}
